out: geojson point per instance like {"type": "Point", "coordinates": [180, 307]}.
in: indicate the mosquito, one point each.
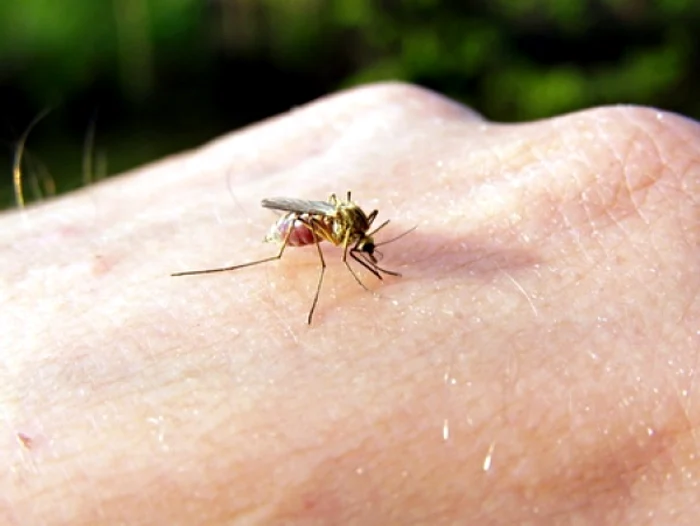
{"type": "Point", "coordinates": [337, 221]}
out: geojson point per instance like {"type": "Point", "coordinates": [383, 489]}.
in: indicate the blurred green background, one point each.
{"type": "Point", "coordinates": [145, 78]}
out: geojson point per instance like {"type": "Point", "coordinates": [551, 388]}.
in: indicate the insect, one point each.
{"type": "Point", "coordinates": [338, 221]}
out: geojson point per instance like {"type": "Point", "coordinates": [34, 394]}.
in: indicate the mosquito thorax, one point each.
{"type": "Point", "coordinates": [350, 217]}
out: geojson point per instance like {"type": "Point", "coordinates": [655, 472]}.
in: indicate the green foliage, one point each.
{"type": "Point", "coordinates": [54, 48]}
{"type": "Point", "coordinates": [57, 48]}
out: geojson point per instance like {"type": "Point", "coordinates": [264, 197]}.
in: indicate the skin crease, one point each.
{"type": "Point", "coordinates": [534, 365]}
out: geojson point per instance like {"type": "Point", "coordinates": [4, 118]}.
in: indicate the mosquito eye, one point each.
{"type": "Point", "coordinates": [368, 247]}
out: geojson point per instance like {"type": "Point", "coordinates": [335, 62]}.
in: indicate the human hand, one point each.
{"type": "Point", "coordinates": [534, 365]}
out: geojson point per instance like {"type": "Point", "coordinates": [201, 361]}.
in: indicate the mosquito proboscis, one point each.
{"type": "Point", "coordinates": [337, 221]}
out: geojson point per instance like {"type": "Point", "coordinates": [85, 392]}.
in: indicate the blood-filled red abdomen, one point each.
{"type": "Point", "coordinates": [299, 236]}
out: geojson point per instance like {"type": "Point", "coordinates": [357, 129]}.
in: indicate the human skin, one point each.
{"type": "Point", "coordinates": [535, 364]}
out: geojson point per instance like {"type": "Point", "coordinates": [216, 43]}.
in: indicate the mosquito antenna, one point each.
{"type": "Point", "coordinates": [394, 238]}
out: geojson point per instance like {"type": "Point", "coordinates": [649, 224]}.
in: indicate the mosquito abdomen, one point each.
{"type": "Point", "coordinates": [299, 233]}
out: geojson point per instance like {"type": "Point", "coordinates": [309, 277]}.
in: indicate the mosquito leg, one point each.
{"type": "Point", "coordinates": [370, 219]}
{"type": "Point", "coordinates": [242, 265]}
{"type": "Point", "coordinates": [364, 264]}
{"type": "Point", "coordinates": [346, 245]}
{"type": "Point", "coordinates": [374, 268]}
{"type": "Point", "coordinates": [356, 276]}
{"type": "Point", "coordinates": [320, 276]}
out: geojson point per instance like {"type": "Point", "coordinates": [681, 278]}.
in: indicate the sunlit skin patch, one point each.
{"type": "Point", "coordinates": [337, 221]}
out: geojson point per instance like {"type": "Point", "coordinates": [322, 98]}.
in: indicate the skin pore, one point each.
{"type": "Point", "coordinates": [534, 364]}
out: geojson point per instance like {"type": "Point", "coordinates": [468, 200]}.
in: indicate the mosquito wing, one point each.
{"type": "Point", "coordinates": [300, 206]}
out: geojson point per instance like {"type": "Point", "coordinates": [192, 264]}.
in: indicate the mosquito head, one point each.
{"type": "Point", "coordinates": [367, 246]}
